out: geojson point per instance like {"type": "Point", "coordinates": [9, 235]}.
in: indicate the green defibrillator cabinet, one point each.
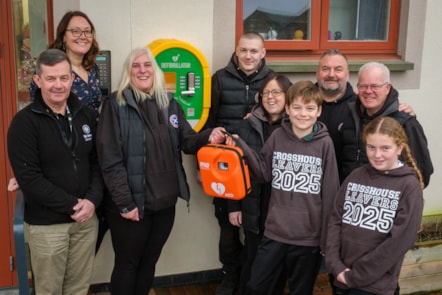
{"type": "Point", "coordinates": [186, 72]}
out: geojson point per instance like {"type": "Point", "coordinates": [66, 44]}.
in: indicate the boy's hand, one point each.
{"type": "Point", "coordinates": [229, 140]}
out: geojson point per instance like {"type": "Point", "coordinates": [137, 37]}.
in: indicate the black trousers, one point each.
{"type": "Point", "coordinates": [251, 243]}
{"type": "Point", "coordinates": [230, 247]}
{"type": "Point", "coordinates": [137, 247]}
{"type": "Point", "coordinates": [103, 226]}
{"type": "Point", "coordinates": [273, 258]}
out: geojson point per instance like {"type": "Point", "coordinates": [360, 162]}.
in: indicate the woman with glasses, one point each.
{"type": "Point", "coordinates": [76, 36]}
{"type": "Point", "coordinates": [251, 212]}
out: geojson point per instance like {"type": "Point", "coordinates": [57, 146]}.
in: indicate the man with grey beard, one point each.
{"type": "Point", "coordinates": [332, 77]}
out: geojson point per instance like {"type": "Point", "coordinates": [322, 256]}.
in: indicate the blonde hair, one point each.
{"type": "Point", "coordinates": [158, 90]}
{"type": "Point", "coordinates": [390, 127]}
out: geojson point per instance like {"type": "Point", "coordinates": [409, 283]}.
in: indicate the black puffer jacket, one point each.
{"type": "Point", "coordinates": [353, 154]}
{"type": "Point", "coordinates": [234, 94]}
{"type": "Point", "coordinates": [255, 131]}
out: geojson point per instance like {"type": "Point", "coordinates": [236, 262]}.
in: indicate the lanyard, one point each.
{"type": "Point", "coordinates": [67, 136]}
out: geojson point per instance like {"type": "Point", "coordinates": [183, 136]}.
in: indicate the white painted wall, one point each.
{"type": "Point", "coordinates": [427, 100]}
{"type": "Point", "coordinates": [209, 25]}
{"type": "Point", "coordinates": [122, 26]}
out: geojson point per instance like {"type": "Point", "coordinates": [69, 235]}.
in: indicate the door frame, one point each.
{"type": "Point", "coordinates": [8, 276]}
{"type": "Point", "coordinates": [8, 108]}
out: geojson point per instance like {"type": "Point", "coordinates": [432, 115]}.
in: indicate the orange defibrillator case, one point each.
{"type": "Point", "coordinates": [224, 171]}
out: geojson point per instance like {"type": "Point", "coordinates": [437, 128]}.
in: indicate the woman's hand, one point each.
{"type": "Point", "coordinates": [218, 135]}
{"type": "Point", "coordinates": [13, 185]}
{"type": "Point", "coordinates": [131, 215]}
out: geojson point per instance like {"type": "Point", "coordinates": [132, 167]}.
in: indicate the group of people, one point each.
{"type": "Point", "coordinates": [73, 151]}
{"type": "Point", "coordinates": [361, 145]}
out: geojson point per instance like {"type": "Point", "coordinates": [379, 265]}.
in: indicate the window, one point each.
{"type": "Point", "coordinates": [32, 31]}
{"type": "Point", "coordinates": [300, 27]}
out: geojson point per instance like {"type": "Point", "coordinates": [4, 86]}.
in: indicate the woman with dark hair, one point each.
{"type": "Point", "coordinates": [76, 36]}
{"type": "Point", "coordinates": [251, 212]}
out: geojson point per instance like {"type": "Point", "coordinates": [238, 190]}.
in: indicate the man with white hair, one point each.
{"type": "Point", "coordinates": [377, 97]}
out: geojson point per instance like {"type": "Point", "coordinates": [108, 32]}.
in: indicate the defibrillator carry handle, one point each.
{"type": "Point", "coordinates": [238, 143]}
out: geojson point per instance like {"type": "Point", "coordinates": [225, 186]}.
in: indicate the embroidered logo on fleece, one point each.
{"type": "Point", "coordinates": [173, 119]}
{"type": "Point", "coordinates": [86, 132]}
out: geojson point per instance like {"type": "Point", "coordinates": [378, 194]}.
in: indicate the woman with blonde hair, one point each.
{"type": "Point", "coordinates": [141, 133]}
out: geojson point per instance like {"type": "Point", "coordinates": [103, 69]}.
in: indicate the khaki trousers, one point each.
{"type": "Point", "coordinates": [62, 256]}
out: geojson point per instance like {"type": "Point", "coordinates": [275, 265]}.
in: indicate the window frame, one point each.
{"type": "Point", "coordinates": [319, 35]}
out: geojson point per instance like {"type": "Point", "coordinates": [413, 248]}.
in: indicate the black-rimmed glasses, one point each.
{"type": "Point", "coordinates": [78, 33]}
{"type": "Point", "coordinates": [274, 92]}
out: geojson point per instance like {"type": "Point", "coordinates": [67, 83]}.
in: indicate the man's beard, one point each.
{"type": "Point", "coordinates": [331, 91]}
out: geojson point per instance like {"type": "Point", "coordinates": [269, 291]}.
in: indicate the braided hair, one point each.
{"type": "Point", "coordinates": [390, 127]}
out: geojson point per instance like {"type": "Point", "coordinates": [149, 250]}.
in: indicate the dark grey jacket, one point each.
{"type": "Point", "coordinates": [139, 149]}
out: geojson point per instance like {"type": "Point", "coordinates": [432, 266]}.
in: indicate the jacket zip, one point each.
{"type": "Point", "coordinates": [72, 150]}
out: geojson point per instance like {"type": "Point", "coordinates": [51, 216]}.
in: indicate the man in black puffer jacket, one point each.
{"type": "Point", "coordinates": [234, 93]}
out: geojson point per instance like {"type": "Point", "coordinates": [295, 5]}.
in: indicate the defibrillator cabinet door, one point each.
{"type": "Point", "coordinates": [186, 72]}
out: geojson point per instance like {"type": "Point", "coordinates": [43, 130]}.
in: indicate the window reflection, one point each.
{"type": "Point", "coordinates": [359, 20]}
{"type": "Point", "coordinates": [278, 20]}
{"type": "Point", "coordinates": [31, 38]}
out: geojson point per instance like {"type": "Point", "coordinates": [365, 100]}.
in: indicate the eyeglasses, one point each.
{"type": "Point", "coordinates": [374, 87]}
{"type": "Point", "coordinates": [78, 33]}
{"type": "Point", "coordinates": [274, 92]}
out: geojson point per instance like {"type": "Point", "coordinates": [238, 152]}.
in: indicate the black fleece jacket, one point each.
{"type": "Point", "coordinates": [51, 173]}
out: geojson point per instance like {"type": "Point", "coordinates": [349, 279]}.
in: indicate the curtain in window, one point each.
{"type": "Point", "coordinates": [372, 19]}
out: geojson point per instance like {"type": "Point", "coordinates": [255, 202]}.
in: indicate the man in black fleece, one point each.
{"type": "Point", "coordinates": [51, 147]}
